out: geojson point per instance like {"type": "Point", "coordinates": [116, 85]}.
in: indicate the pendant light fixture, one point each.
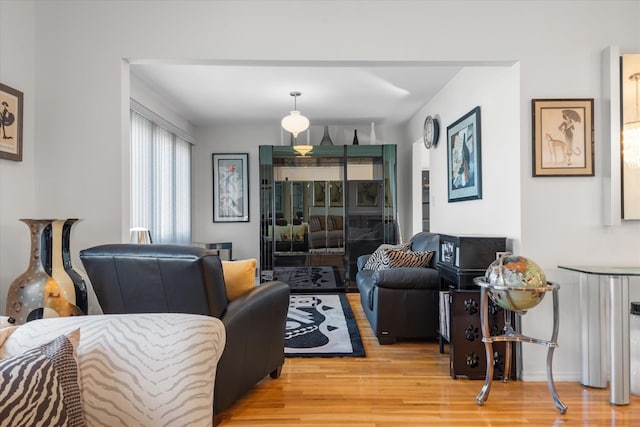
{"type": "Point", "coordinates": [631, 134]}
{"type": "Point", "coordinates": [296, 123]}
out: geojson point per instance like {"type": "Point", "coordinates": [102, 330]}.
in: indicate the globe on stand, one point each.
{"type": "Point", "coordinates": [515, 271]}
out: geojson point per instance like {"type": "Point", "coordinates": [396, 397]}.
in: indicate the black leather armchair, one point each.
{"type": "Point", "coordinates": [182, 279]}
{"type": "Point", "coordinates": [402, 302]}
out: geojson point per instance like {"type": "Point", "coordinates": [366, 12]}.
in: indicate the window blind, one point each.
{"type": "Point", "coordinates": [160, 181]}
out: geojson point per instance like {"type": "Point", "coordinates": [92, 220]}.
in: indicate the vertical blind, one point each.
{"type": "Point", "coordinates": [160, 182]}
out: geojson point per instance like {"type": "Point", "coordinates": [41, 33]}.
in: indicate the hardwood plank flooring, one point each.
{"type": "Point", "coordinates": [408, 384]}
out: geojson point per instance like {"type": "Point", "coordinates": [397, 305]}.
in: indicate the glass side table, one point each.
{"type": "Point", "coordinates": [595, 310]}
{"type": "Point", "coordinates": [510, 336]}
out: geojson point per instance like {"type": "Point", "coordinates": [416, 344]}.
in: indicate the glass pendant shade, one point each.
{"type": "Point", "coordinates": [295, 123]}
{"type": "Point", "coordinates": [303, 149]}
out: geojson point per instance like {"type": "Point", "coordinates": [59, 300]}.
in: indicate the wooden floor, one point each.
{"type": "Point", "coordinates": [408, 384]}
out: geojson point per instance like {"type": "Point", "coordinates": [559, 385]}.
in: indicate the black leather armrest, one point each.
{"type": "Point", "coordinates": [257, 302]}
{"type": "Point", "coordinates": [255, 324]}
{"type": "Point", "coordinates": [362, 260]}
{"type": "Point", "coordinates": [407, 278]}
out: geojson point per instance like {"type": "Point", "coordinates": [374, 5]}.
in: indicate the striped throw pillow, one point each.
{"type": "Point", "coordinates": [393, 258]}
{"type": "Point", "coordinates": [40, 387]}
{"type": "Point", "coordinates": [376, 258]}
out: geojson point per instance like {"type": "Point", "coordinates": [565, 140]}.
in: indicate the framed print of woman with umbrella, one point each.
{"type": "Point", "coordinates": [562, 137]}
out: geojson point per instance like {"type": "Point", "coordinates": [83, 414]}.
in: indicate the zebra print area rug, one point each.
{"type": "Point", "coordinates": [321, 325]}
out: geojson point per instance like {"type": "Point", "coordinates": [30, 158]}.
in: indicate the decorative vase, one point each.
{"type": "Point", "coordinates": [36, 294]}
{"type": "Point", "coordinates": [355, 137]}
{"type": "Point", "coordinates": [62, 269]}
{"type": "Point", "coordinates": [326, 139]}
{"type": "Point", "coordinates": [372, 138]}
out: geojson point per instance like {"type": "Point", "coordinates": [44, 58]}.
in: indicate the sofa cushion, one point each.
{"type": "Point", "coordinates": [239, 277]}
{"type": "Point", "coordinates": [376, 258]}
{"type": "Point", "coordinates": [298, 232]}
{"type": "Point", "coordinates": [41, 385]}
{"type": "Point", "coordinates": [314, 223]}
{"type": "Point", "coordinates": [394, 258]}
{"type": "Point", "coordinates": [336, 222]}
{"type": "Point", "coordinates": [283, 233]}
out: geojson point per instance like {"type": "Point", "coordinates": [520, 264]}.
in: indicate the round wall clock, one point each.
{"type": "Point", "coordinates": [430, 132]}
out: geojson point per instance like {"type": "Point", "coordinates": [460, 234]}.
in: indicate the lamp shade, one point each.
{"type": "Point", "coordinates": [303, 149]}
{"type": "Point", "coordinates": [140, 235]}
{"type": "Point", "coordinates": [295, 123]}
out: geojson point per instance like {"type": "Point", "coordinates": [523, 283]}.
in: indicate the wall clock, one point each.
{"type": "Point", "coordinates": [430, 132]}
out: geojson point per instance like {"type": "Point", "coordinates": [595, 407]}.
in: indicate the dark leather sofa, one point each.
{"type": "Point", "coordinates": [131, 278]}
{"type": "Point", "coordinates": [402, 302]}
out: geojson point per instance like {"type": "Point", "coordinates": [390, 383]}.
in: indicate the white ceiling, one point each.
{"type": "Point", "coordinates": [331, 94]}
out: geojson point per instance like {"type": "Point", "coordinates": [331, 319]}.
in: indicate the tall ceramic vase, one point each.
{"type": "Point", "coordinates": [36, 293]}
{"type": "Point", "coordinates": [59, 266]}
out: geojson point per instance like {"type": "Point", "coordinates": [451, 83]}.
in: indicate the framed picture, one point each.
{"type": "Point", "coordinates": [10, 123]}
{"type": "Point", "coordinates": [231, 187]}
{"type": "Point", "coordinates": [368, 194]}
{"type": "Point", "coordinates": [336, 192]}
{"type": "Point", "coordinates": [562, 137]}
{"type": "Point", "coordinates": [319, 195]}
{"type": "Point", "coordinates": [463, 158]}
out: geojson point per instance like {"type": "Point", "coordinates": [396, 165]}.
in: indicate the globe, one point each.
{"type": "Point", "coordinates": [515, 270]}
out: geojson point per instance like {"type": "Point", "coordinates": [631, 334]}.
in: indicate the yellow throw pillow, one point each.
{"type": "Point", "coordinates": [239, 276]}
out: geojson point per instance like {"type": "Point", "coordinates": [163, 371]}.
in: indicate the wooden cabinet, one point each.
{"type": "Point", "coordinates": [462, 258]}
{"type": "Point", "coordinates": [467, 356]}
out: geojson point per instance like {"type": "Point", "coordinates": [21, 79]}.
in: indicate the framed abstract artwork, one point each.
{"type": "Point", "coordinates": [463, 158]}
{"type": "Point", "coordinates": [10, 123]}
{"type": "Point", "coordinates": [231, 187]}
{"type": "Point", "coordinates": [562, 137]}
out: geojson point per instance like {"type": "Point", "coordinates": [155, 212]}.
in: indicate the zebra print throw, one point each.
{"type": "Point", "coordinates": [40, 387]}
{"type": "Point", "coordinates": [376, 258]}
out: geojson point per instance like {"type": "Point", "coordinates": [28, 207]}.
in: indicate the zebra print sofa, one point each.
{"type": "Point", "coordinates": [135, 370]}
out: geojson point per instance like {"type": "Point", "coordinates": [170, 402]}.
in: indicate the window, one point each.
{"type": "Point", "coordinates": [160, 181]}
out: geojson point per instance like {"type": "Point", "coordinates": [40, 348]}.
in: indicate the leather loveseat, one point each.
{"type": "Point", "coordinates": [402, 302]}
{"type": "Point", "coordinates": [131, 278]}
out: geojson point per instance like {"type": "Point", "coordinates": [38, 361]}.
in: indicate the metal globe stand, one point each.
{"type": "Point", "coordinates": [510, 335]}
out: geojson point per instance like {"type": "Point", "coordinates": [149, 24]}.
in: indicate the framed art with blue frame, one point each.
{"type": "Point", "coordinates": [464, 168]}
{"type": "Point", "coordinates": [231, 187]}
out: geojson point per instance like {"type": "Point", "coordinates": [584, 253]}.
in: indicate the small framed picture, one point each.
{"type": "Point", "coordinates": [562, 137]}
{"type": "Point", "coordinates": [368, 194]}
{"type": "Point", "coordinates": [463, 158]}
{"type": "Point", "coordinates": [10, 123]}
{"type": "Point", "coordinates": [319, 193]}
{"type": "Point", "coordinates": [231, 187]}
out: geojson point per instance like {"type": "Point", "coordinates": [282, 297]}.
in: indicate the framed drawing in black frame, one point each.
{"type": "Point", "coordinates": [562, 137]}
{"type": "Point", "coordinates": [231, 187]}
{"type": "Point", "coordinates": [11, 108]}
{"type": "Point", "coordinates": [464, 169]}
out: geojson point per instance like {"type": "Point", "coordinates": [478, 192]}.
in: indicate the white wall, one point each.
{"type": "Point", "coordinates": [18, 180]}
{"type": "Point", "coordinates": [498, 212]}
{"type": "Point", "coordinates": [80, 167]}
{"type": "Point", "coordinates": [229, 139]}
